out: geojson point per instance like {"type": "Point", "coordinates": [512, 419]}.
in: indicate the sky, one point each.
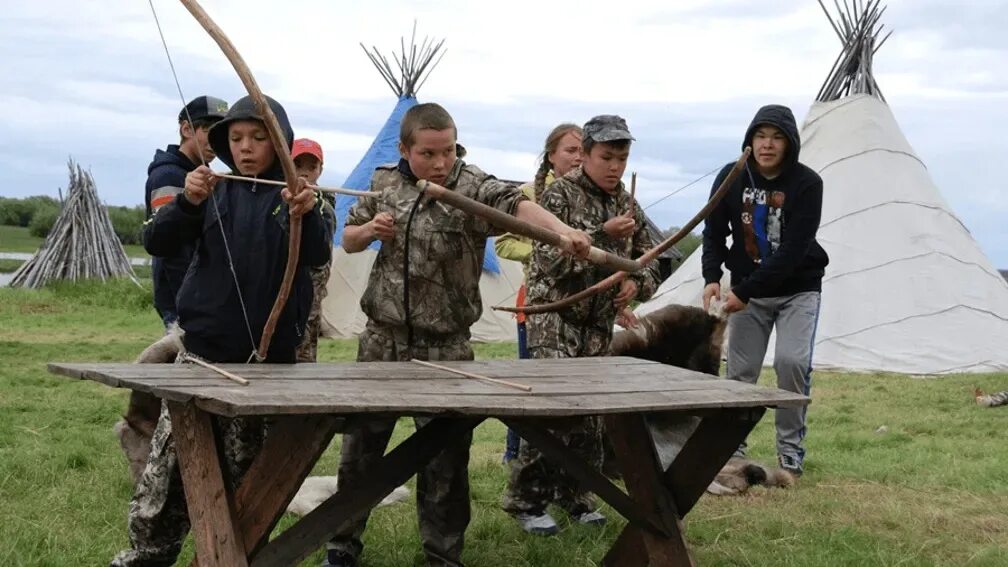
{"type": "Point", "coordinates": [95, 84]}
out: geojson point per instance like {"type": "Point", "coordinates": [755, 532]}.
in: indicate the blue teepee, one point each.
{"type": "Point", "coordinates": [385, 147]}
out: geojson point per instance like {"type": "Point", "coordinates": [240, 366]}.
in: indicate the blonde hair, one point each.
{"type": "Point", "coordinates": [552, 141]}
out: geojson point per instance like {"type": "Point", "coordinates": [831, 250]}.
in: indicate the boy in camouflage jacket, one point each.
{"type": "Point", "coordinates": [422, 297]}
{"type": "Point", "coordinates": [591, 198]}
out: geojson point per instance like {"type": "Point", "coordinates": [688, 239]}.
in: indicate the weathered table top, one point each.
{"type": "Point", "coordinates": [560, 387]}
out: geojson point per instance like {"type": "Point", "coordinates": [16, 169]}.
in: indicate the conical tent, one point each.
{"type": "Point", "coordinates": [908, 289]}
{"type": "Point", "coordinates": [341, 311]}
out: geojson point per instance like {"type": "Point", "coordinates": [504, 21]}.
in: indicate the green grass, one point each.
{"type": "Point", "coordinates": [17, 239]}
{"type": "Point", "coordinates": [929, 491]}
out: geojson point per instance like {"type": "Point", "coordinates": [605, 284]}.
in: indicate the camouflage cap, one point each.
{"type": "Point", "coordinates": [607, 128]}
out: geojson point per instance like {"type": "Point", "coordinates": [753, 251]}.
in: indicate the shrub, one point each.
{"type": "Point", "coordinates": [127, 222]}
{"type": "Point", "coordinates": [43, 220]}
{"type": "Point", "coordinates": [20, 212]}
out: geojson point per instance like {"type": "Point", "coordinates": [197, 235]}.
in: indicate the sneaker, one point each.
{"type": "Point", "coordinates": [336, 558]}
{"type": "Point", "coordinates": [791, 464]}
{"type": "Point", "coordinates": [541, 524]}
{"type": "Point", "coordinates": [591, 519]}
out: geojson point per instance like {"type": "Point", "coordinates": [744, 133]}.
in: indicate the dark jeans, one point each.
{"type": "Point", "coordinates": [513, 441]}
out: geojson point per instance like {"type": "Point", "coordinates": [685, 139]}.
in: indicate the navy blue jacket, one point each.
{"type": "Point", "coordinates": [255, 221]}
{"type": "Point", "coordinates": [168, 169]}
{"type": "Point", "coordinates": [772, 222]}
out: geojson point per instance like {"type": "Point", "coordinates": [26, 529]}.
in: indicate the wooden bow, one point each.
{"type": "Point", "coordinates": [511, 224]}
{"type": "Point", "coordinates": [648, 256]}
{"type": "Point", "coordinates": [279, 140]}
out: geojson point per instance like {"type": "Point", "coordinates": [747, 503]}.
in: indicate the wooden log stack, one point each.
{"type": "Point", "coordinates": [81, 243]}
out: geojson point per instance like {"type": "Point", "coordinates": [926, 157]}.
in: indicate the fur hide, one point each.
{"type": "Point", "coordinates": [318, 489]}
{"type": "Point", "coordinates": [678, 335]}
{"type": "Point", "coordinates": [739, 475]}
{"type": "Point", "coordinates": [136, 427]}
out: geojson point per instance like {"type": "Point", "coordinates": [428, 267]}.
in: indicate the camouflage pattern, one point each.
{"type": "Point", "coordinates": [442, 486]}
{"type": "Point", "coordinates": [158, 520]}
{"type": "Point", "coordinates": [536, 482]}
{"type": "Point", "coordinates": [584, 329]}
{"type": "Point", "coordinates": [606, 128]}
{"type": "Point", "coordinates": [446, 251]}
{"type": "Point", "coordinates": [308, 351]}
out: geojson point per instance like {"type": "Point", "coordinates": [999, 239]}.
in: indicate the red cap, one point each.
{"type": "Point", "coordinates": [306, 146]}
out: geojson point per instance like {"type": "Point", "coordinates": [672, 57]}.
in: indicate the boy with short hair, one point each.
{"type": "Point", "coordinates": [308, 163]}
{"type": "Point", "coordinates": [427, 313]}
{"type": "Point", "coordinates": [592, 198]}
{"type": "Point", "coordinates": [168, 170]}
{"type": "Point", "coordinates": [772, 213]}
{"type": "Point", "coordinates": [246, 222]}
{"type": "Point", "coordinates": [165, 174]}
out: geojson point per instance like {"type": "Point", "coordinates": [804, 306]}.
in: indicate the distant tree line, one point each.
{"type": "Point", "coordinates": [687, 245]}
{"type": "Point", "coordinates": [39, 213]}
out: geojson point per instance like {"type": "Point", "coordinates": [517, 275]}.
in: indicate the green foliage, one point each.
{"type": "Point", "coordinates": [43, 220]}
{"type": "Point", "coordinates": [19, 212]}
{"type": "Point", "coordinates": [127, 222]}
{"type": "Point", "coordinates": [687, 245]}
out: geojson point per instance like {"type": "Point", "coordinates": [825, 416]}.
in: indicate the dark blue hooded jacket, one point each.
{"type": "Point", "coordinates": [772, 222]}
{"type": "Point", "coordinates": [255, 219]}
{"type": "Point", "coordinates": [168, 169]}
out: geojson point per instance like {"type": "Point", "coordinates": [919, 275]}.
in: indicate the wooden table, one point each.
{"type": "Point", "coordinates": [307, 400]}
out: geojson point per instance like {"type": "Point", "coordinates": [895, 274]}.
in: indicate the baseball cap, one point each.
{"type": "Point", "coordinates": [205, 108]}
{"type": "Point", "coordinates": [607, 128]}
{"type": "Point", "coordinates": [306, 146]}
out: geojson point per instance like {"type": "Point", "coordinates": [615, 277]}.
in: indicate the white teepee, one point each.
{"type": "Point", "coordinates": [907, 289]}
{"type": "Point", "coordinates": [341, 313]}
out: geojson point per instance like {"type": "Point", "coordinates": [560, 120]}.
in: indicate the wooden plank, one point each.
{"type": "Point", "coordinates": [641, 471]}
{"type": "Point", "coordinates": [628, 550]}
{"type": "Point", "coordinates": [210, 510]}
{"type": "Point", "coordinates": [301, 540]}
{"type": "Point", "coordinates": [230, 402]}
{"type": "Point", "coordinates": [555, 450]}
{"type": "Point", "coordinates": [292, 448]}
{"type": "Point", "coordinates": [447, 386]}
{"type": "Point", "coordinates": [705, 452]}
{"type": "Point", "coordinates": [554, 396]}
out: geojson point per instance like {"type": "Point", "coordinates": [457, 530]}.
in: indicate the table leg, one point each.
{"type": "Point", "coordinates": [702, 456]}
{"type": "Point", "coordinates": [211, 510]}
{"type": "Point", "coordinates": [641, 471]}
{"type": "Point", "coordinates": [554, 449]}
{"type": "Point", "coordinates": [395, 468]}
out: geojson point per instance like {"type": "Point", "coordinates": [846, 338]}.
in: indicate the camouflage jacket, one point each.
{"type": "Point", "coordinates": [445, 252]}
{"type": "Point", "coordinates": [576, 200]}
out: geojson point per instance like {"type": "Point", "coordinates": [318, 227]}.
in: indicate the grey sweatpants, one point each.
{"type": "Point", "coordinates": [795, 317]}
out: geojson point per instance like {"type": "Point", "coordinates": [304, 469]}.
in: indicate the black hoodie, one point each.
{"type": "Point", "coordinates": [168, 169]}
{"type": "Point", "coordinates": [772, 222]}
{"type": "Point", "coordinates": [255, 220]}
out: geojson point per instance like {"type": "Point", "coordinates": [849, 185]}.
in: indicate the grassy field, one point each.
{"type": "Point", "coordinates": [929, 490]}
{"type": "Point", "coordinates": [17, 239]}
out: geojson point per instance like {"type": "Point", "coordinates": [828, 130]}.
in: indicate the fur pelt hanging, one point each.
{"type": "Point", "coordinates": [136, 428]}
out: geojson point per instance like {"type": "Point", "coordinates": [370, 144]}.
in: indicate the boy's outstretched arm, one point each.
{"type": "Point", "coordinates": [530, 212]}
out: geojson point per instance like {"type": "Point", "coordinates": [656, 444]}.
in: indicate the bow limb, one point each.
{"type": "Point", "coordinates": [511, 224]}
{"type": "Point", "coordinates": [279, 140]}
{"type": "Point", "coordinates": [645, 258]}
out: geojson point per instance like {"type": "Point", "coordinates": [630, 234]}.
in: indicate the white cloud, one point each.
{"type": "Point", "coordinates": [95, 83]}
